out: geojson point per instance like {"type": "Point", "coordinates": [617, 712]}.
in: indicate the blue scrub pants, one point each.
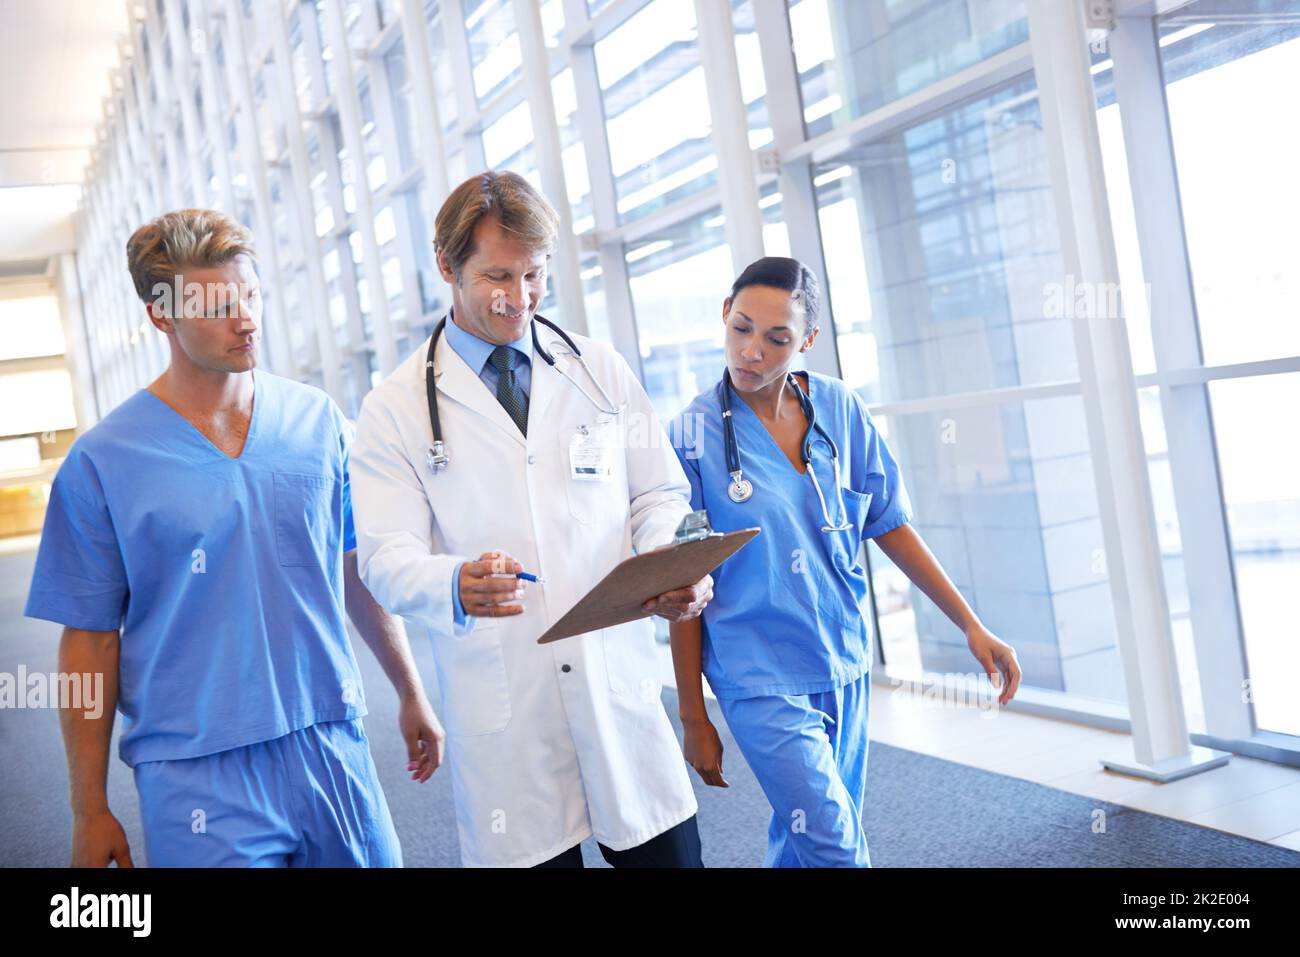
{"type": "Point", "coordinates": [809, 753]}
{"type": "Point", "coordinates": [311, 798]}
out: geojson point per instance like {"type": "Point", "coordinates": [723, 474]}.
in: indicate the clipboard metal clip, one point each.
{"type": "Point", "coordinates": [693, 527]}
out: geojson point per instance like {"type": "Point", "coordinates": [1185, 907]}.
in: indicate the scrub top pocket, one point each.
{"type": "Point", "coordinates": [847, 545]}
{"type": "Point", "coordinates": [857, 505]}
{"type": "Point", "coordinates": [303, 512]}
{"type": "Point", "coordinates": [846, 552]}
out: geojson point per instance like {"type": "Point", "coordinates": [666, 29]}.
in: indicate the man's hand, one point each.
{"type": "Point", "coordinates": [684, 603]}
{"type": "Point", "coordinates": [484, 596]}
{"type": "Point", "coordinates": [423, 734]}
{"type": "Point", "coordinates": [98, 839]}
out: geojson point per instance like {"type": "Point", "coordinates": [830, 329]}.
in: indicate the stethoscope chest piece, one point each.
{"type": "Point", "coordinates": [436, 458]}
{"type": "Point", "coordinates": [740, 489]}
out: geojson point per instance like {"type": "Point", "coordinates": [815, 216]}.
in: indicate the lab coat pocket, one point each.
{"type": "Point", "coordinates": [303, 513]}
{"type": "Point", "coordinates": [632, 661]}
{"type": "Point", "coordinates": [476, 689]}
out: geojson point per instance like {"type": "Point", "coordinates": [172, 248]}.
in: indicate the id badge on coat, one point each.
{"type": "Point", "coordinates": [591, 454]}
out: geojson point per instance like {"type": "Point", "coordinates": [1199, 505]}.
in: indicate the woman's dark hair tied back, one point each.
{"type": "Point", "coordinates": [783, 273]}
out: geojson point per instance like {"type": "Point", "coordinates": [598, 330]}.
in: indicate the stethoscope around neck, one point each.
{"type": "Point", "coordinates": [741, 489]}
{"type": "Point", "coordinates": [437, 458]}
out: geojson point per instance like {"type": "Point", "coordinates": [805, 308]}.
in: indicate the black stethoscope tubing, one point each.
{"type": "Point", "coordinates": [805, 403]}
{"type": "Point", "coordinates": [437, 454]}
{"type": "Point", "coordinates": [741, 488]}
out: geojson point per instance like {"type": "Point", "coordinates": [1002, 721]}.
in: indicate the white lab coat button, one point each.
{"type": "Point", "coordinates": [565, 668]}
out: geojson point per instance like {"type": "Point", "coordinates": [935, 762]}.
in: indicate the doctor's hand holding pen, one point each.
{"type": "Point", "coordinates": [489, 588]}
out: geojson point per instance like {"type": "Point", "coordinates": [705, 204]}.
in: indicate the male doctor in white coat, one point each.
{"type": "Point", "coordinates": [556, 468]}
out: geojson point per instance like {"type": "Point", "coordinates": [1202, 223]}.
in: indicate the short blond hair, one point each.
{"type": "Point", "coordinates": [521, 210]}
{"type": "Point", "coordinates": [158, 251]}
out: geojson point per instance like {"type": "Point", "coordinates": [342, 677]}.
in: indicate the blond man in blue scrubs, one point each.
{"type": "Point", "coordinates": [199, 550]}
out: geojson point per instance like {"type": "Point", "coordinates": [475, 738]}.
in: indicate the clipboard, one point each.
{"type": "Point", "coordinates": [620, 594]}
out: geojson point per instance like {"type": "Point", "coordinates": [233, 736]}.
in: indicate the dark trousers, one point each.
{"type": "Point", "coordinates": [676, 847]}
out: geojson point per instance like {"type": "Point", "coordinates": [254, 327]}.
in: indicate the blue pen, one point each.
{"type": "Point", "coordinates": [524, 575]}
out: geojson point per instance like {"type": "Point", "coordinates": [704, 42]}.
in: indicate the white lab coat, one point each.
{"type": "Point", "coordinates": [540, 757]}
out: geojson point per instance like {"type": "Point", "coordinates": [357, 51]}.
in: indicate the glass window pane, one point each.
{"type": "Point", "coordinates": [407, 132]}
{"type": "Point", "coordinates": [442, 78]}
{"type": "Point", "coordinates": [776, 236]}
{"type": "Point", "coordinates": [593, 291]}
{"type": "Point", "coordinates": [347, 172]}
{"type": "Point", "coordinates": [753, 85]}
{"type": "Point", "coordinates": [326, 50]}
{"type": "Point", "coordinates": [963, 287]}
{"type": "Point", "coordinates": [320, 188]}
{"type": "Point", "coordinates": [294, 316]}
{"type": "Point", "coordinates": [264, 110]}
{"type": "Point", "coordinates": [1236, 171]}
{"type": "Point", "coordinates": [679, 278]}
{"type": "Point", "coordinates": [508, 143]}
{"type": "Point", "coordinates": [457, 169]}
{"type": "Point", "coordinates": [656, 108]}
{"type": "Point", "coordinates": [376, 169]}
{"type": "Point", "coordinates": [552, 21]}
{"type": "Point", "coordinates": [298, 58]}
{"type": "Point", "coordinates": [576, 181]}
{"type": "Point", "coordinates": [856, 57]}
{"type": "Point", "coordinates": [281, 211]}
{"type": "Point", "coordinates": [1258, 466]}
{"type": "Point", "coordinates": [1003, 495]}
{"type": "Point", "coordinates": [355, 23]}
{"type": "Point", "coordinates": [493, 45]}
{"type": "Point", "coordinates": [357, 249]}
{"type": "Point", "coordinates": [420, 214]}
{"type": "Point", "coordinates": [1136, 297]}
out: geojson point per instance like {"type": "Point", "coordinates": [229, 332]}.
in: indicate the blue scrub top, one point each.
{"type": "Point", "coordinates": [789, 612]}
{"type": "Point", "coordinates": [224, 575]}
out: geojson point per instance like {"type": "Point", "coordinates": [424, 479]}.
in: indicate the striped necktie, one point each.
{"type": "Point", "coordinates": [509, 393]}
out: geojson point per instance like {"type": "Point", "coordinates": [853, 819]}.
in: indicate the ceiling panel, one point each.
{"type": "Point", "coordinates": [56, 59]}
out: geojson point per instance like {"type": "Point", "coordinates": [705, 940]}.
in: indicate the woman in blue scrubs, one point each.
{"type": "Point", "coordinates": [785, 643]}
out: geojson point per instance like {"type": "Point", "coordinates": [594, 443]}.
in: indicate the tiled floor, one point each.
{"type": "Point", "coordinates": [1256, 799]}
